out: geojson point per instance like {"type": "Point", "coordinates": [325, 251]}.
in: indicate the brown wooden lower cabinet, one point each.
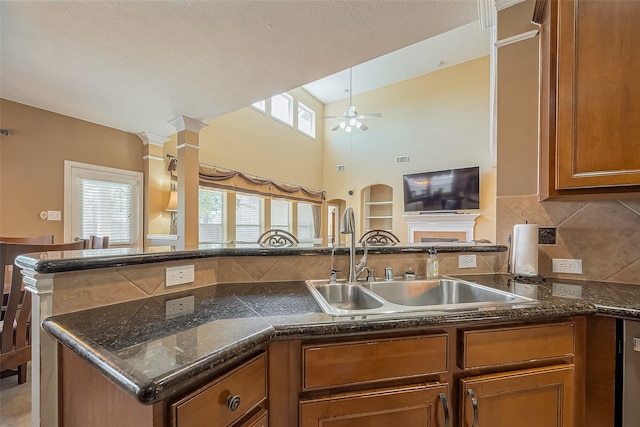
{"type": "Point", "coordinates": [415, 406]}
{"type": "Point", "coordinates": [540, 397]}
{"type": "Point", "coordinates": [225, 400]}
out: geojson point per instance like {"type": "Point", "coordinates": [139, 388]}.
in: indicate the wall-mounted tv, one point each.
{"type": "Point", "coordinates": [446, 190]}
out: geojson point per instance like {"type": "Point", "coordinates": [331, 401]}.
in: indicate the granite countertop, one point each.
{"type": "Point", "coordinates": [55, 262]}
{"type": "Point", "coordinates": [153, 356]}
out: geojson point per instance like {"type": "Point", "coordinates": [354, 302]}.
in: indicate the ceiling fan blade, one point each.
{"type": "Point", "coordinates": [336, 128]}
{"type": "Point", "coordinates": [364, 127]}
{"type": "Point", "coordinates": [369, 116]}
{"type": "Point", "coordinates": [332, 117]}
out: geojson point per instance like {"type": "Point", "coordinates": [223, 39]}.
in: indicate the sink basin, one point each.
{"type": "Point", "coordinates": [437, 292]}
{"type": "Point", "coordinates": [346, 297]}
{"type": "Point", "coordinates": [403, 296]}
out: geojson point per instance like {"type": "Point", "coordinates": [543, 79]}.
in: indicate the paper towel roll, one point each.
{"type": "Point", "coordinates": [525, 249]}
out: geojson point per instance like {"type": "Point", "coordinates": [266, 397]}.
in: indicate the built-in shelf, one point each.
{"type": "Point", "coordinates": [377, 208]}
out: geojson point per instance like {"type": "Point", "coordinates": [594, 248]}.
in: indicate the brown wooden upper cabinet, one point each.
{"type": "Point", "coordinates": [590, 97]}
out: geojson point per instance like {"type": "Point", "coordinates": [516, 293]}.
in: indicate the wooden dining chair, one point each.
{"type": "Point", "coordinates": [97, 242]}
{"type": "Point", "coordinates": [15, 346]}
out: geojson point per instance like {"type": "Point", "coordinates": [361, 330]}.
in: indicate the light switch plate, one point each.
{"type": "Point", "coordinates": [54, 216]}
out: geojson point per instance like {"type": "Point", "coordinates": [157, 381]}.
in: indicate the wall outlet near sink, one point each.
{"type": "Point", "coordinates": [570, 266]}
{"type": "Point", "coordinates": [179, 275]}
{"type": "Point", "coordinates": [466, 261]}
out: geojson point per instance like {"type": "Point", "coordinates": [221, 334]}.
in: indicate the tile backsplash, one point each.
{"type": "Point", "coordinates": [604, 234]}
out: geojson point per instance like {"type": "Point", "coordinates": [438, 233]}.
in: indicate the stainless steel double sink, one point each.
{"type": "Point", "coordinates": [405, 296]}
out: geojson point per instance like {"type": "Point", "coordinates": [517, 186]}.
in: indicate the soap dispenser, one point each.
{"type": "Point", "coordinates": [432, 265]}
{"type": "Point", "coordinates": [436, 266]}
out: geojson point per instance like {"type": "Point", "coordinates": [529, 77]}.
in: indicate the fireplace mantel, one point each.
{"type": "Point", "coordinates": [441, 224]}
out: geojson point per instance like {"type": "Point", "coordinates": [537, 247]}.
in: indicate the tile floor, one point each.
{"type": "Point", "coordinates": [15, 402]}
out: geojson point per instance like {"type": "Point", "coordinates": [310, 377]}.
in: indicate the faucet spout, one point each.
{"type": "Point", "coordinates": [348, 226]}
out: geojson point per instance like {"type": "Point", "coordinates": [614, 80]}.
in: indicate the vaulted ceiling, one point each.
{"type": "Point", "coordinates": [136, 65]}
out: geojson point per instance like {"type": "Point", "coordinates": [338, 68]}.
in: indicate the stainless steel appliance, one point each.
{"type": "Point", "coordinates": [629, 361]}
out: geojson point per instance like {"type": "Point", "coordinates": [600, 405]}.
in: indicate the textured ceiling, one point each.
{"type": "Point", "coordinates": [135, 65]}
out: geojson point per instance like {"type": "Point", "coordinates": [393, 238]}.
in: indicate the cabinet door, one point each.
{"type": "Point", "coordinates": [420, 406]}
{"type": "Point", "coordinates": [592, 104]}
{"type": "Point", "coordinates": [540, 397]}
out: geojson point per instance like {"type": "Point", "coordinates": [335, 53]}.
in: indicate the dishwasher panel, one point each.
{"type": "Point", "coordinates": [631, 374]}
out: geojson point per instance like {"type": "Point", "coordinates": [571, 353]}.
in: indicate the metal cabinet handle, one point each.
{"type": "Point", "coordinates": [445, 408]}
{"type": "Point", "coordinates": [233, 402]}
{"type": "Point", "coordinates": [474, 404]}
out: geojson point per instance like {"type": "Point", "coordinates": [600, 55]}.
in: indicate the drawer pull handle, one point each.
{"type": "Point", "coordinates": [233, 402]}
{"type": "Point", "coordinates": [474, 404]}
{"type": "Point", "coordinates": [445, 408]}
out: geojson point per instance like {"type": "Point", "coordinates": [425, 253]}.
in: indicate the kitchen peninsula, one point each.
{"type": "Point", "coordinates": [254, 318]}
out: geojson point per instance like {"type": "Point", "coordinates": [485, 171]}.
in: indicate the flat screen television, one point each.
{"type": "Point", "coordinates": [448, 190]}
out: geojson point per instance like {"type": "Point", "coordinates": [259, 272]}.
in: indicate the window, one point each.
{"type": "Point", "coordinates": [260, 105]}
{"type": "Point", "coordinates": [306, 120]}
{"type": "Point", "coordinates": [281, 214]}
{"type": "Point", "coordinates": [103, 201]}
{"type": "Point", "coordinates": [305, 222]}
{"type": "Point", "coordinates": [248, 218]}
{"type": "Point", "coordinates": [282, 108]}
{"type": "Point", "coordinates": [211, 214]}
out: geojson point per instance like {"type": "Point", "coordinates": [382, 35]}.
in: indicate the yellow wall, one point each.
{"type": "Point", "coordinates": [253, 142]}
{"type": "Point", "coordinates": [440, 120]}
{"type": "Point", "coordinates": [32, 163]}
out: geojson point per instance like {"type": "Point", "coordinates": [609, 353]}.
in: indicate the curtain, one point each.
{"type": "Point", "coordinates": [238, 181]}
{"type": "Point", "coordinates": [316, 211]}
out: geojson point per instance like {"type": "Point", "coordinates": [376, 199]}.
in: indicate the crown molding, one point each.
{"type": "Point", "coordinates": [517, 38]}
{"type": "Point", "coordinates": [487, 13]}
{"type": "Point", "coordinates": [503, 4]}
{"type": "Point", "coordinates": [187, 146]}
{"type": "Point", "coordinates": [187, 123]}
{"type": "Point", "coordinates": [149, 157]}
{"type": "Point", "coordinates": [151, 139]}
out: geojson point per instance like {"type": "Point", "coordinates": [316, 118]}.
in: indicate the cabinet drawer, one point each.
{"type": "Point", "coordinates": [416, 406]}
{"type": "Point", "coordinates": [208, 405]}
{"type": "Point", "coordinates": [372, 361]}
{"type": "Point", "coordinates": [493, 347]}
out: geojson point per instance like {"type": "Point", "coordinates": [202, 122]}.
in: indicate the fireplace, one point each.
{"type": "Point", "coordinates": [441, 226]}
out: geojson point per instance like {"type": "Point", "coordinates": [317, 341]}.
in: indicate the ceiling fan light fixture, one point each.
{"type": "Point", "coordinates": [351, 116]}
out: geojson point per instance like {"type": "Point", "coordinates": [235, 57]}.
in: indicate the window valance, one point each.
{"type": "Point", "coordinates": [215, 177]}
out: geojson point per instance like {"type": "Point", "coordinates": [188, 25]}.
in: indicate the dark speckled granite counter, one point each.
{"type": "Point", "coordinates": [154, 357]}
{"type": "Point", "coordinates": [106, 258]}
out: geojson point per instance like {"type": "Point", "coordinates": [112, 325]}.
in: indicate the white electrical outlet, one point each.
{"type": "Point", "coordinates": [570, 266]}
{"type": "Point", "coordinates": [179, 306]}
{"type": "Point", "coordinates": [179, 275]}
{"type": "Point", "coordinates": [466, 261]}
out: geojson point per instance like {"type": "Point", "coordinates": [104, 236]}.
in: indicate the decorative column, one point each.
{"type": "Point", "coordinates": [188, 137]}
{"type": "Point", "coordinates": [44, 351]}
{"type": "Point", "coordinates": [157, 185]}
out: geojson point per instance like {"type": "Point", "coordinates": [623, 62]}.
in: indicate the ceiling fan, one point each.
{"type": "Point", "coordinates": [351, 118]}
